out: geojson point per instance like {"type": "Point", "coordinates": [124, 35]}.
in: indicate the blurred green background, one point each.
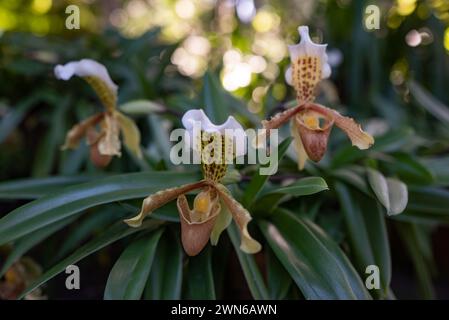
{"type": "Point", "coordinates": [393, 80]}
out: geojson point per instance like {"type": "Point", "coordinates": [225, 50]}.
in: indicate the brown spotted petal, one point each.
{"type": "Point", "coordinates": [242, 217]}
{"type": "Point", "coordinates": [159, 199]}
{"type": "Point", "coordinates": [195, 234]}
{"type": "Point", "coordinates": [79, 130]}
{"type": "Point", "coordinates": [314, 137]}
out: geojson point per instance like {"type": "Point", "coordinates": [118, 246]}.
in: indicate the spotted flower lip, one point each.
{"type": "Point", "coordinates": [103, 143]}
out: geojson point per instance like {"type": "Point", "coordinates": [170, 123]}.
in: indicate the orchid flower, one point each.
{"type": "Point", "coordinates": [104, 143]}
{"type": "Point", "coordinates": [312, 123]}
{"type": "Point", "coordinates": [213, 207]}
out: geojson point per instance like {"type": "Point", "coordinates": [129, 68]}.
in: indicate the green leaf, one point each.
{"type": "Point", "coordinates": [429, 200]}
{"type": "Point", "coordinates": [95, 221]}
{"type": "Point", "coordinates": [168, 212]}
{"type": "Point", "coordinates": [258, 180]}
{"type": "Point", "coordinates": [114, 233]}
{"type": "Point", "coordinates": [380, 187]}
{"type": "Point", "coordinates": [315, 262]}
{"type": "Point", "coordinates": [429, 102]}
{"type": "Point", "coordinates": [391, 141]}
{"type": "Point", "coordinates": [367, 233]}
{"type": "Point", "coordinates": [252, 273]}
{"type": "Point", "coordinates": [50, 144]}
{"type": "Point", "coordinates": [213, 99]}
{"type": "Point", "coordinates": [141, 107]}
{"type": "Point", "coordinates": [409, 169]}
{"type": "Point", "coordinates": [279, 281]}
{"type": "Point", "coordinates": [354, 176]}
{"type": "Point", "coordinates": [129, 274]}
{"type": "Point", "coordinates": [38, 187]}
{"type": "Point", "coordinates": [165, 280]}
{"type": "Point", "coordinates": [200, 279]}
{"type": "Point", "coordinates": [22, 245]}
{"type": "Point", "coordinates": [427, 204]}
{"type": "Point", "coordinates": [439, 166]}
{"type": "Point", "coordinates": [398, 194]}
{"type": "Point", "coordinates": [302, 187]}
{"type": "Point", "coordinates": [409, 234]}
{"type": "Point", "coordinates": [73, 200]}
{"type": "Point", "coordinates": [12, 119]}
{"type": "Point", "coordinates": [271, 196]}
{"type": "Point", "coordinates": [391, 193]}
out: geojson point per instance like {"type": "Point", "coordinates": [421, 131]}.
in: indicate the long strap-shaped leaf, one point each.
{"type": "Point", "coordinates": [315, 262]}
{"type": "Point", "coordinates": [127, 278]}
{"type": "Point", "coordinates": [252, 273]}
{"type": "Point", "coordinates": [165, 280]}
{"type": "Point", "coordinates": [73, 200]}
{"type": "Point", "coordinates": [27, 242]}
{"type": "Point", "coordinates": [258, 180]}
{"type": "Point", "coordinates": [200, 278]}
{"type": "Point", "coordinates": [368, 237]}
{"type": "Point", "coordinates": [38, 187]}
{"type": "Point", "coordinates": [115, 233]}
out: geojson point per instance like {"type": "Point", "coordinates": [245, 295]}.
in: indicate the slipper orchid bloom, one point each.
{"type": "Point", "coordinates": [213, 207]}
{"type": "Point", "coordinates": [312, 123]}
{"type": "Point", "coordinates": [105, 142]}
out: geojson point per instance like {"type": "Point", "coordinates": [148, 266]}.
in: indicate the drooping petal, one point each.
{"type": "Point", "coordinates": [353, 130]}
{"type": "Point", "coordinates": [299, 147]}
{"type": "Point", "coordinates": [242, 217]}
{"type": "Point", "coordinates": [160, 198]}
{"type": "Point", "coordinates": [131, 134]}
{"type": "Point", "coordinates": [314, 137]}
{"type": "Point", "coordinates": [359, 138]}
{"type": "Point", "coordinates": [195, 234]}
{"type": "Point", "coordinates": [79, 130]}
{"type": "Point", "coordinates": [95, 74]}
{"type": "Point", "coordinates": [109, 143]}
{"type": "Point", "coordinates": [223, 220]}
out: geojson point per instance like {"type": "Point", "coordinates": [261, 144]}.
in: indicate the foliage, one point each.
{"type": "Point", "coordinates": [319, 228]}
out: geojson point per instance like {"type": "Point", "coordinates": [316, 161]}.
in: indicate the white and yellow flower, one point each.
{"type": "Point", "coordinates": [105, 142]}
{"type": "Point", "coordinates": [213, 207]}
{"type": "Point", "coordinates": [308, 66]}
{"type": "Point", "coordinates": [312, 123]}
